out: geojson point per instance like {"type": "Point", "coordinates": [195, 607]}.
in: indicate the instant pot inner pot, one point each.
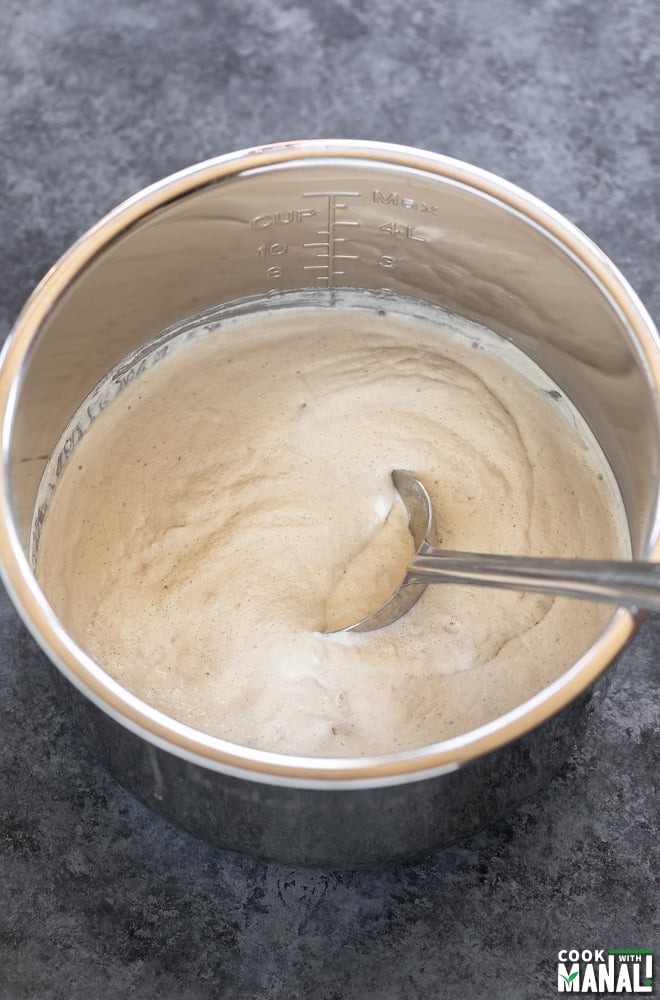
{"type": "Point", "coordinates": [323, 215]}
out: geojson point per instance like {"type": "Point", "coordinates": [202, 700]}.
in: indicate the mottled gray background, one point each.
{"type": "Point", "coordinates": [98, 897]}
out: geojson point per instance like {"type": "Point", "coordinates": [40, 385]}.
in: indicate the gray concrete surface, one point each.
{"type": "Point", "coordinates": [98, 897]}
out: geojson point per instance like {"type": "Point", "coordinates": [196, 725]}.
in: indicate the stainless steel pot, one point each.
{"type": "Point", "coordinates": [326, 214]}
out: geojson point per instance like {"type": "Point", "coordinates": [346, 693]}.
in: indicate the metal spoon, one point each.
{"type": "Point", "coordinates": [635, 584]}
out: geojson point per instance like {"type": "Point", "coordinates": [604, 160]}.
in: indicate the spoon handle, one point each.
{"type": "Point", "coordinates": [631, 584]}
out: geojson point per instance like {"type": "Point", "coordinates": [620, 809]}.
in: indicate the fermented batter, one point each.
{"type": "Point", "coordinates": [235, 501]}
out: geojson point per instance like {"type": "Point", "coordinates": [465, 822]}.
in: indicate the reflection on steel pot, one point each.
{"type": "Point", "coordinates": [424, 226]}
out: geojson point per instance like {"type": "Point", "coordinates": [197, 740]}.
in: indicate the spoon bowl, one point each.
{"type": "Point", "coordinates": [633, 584]}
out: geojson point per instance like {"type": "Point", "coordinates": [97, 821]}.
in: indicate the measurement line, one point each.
{"type": "Point", "coordinates": [327, 249]}
{"type": "Point", "coordinates": [331, 194]}
{"type": "Point", "coordinates": [338, 239]}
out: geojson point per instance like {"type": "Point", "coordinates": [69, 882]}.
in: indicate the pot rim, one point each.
{"type": "Point", "coordinates": [212, 752]}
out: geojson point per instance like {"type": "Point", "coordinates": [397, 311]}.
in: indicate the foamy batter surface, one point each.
{"type": "Point", "coordinates": [197, 541]}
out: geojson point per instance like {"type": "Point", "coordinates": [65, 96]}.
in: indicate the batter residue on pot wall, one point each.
{"type": "Point", "coordinates": [197, 542]}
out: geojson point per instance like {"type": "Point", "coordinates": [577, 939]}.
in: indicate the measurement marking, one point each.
{"type": "Point", "coordinates": [338, 239]}
{"type": "Point", "coordinates": [331, 194]}
{"type": "Point", "coordinates": [327, 248]}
